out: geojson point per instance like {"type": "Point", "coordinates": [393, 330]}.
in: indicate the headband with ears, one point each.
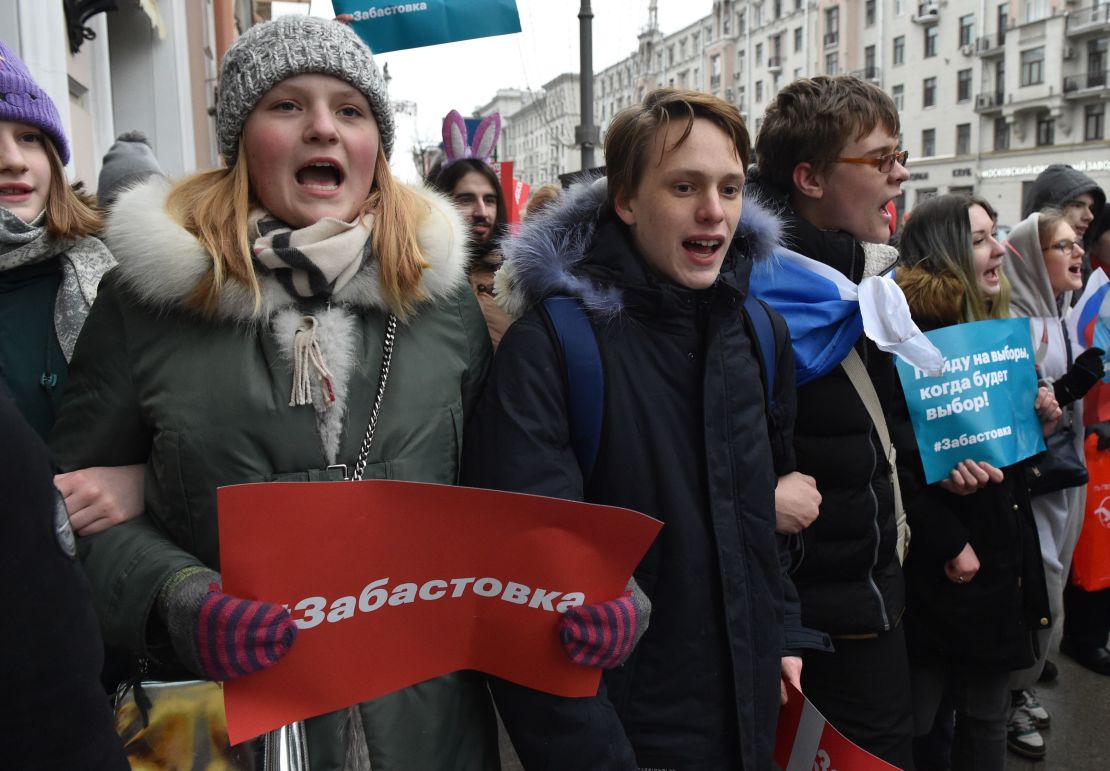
{"type": "Point", "coordinates": [485, 138]}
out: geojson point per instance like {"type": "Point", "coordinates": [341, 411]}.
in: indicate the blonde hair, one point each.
{"type": "Point", "coordinates": [69, 215]}
{"type": "Point", "coordinates": [214, 207]}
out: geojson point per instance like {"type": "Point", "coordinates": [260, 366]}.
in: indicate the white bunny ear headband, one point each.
{"type": "Point", "coordinates": [485, 138]}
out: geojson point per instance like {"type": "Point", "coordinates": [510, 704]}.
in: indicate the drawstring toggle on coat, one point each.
{"type": "Point", "coordinates": [307, 358]}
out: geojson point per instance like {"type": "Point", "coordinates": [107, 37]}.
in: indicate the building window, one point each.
{"type": "Point", "coordinates": [1001, 134]}
{"type": "Point", "coordinates": [759, 91]}
{"type": "Point", "coordinates": [758, 54]}
{"type": "Point", "coordinates": [1094, 122]}
{"type": "Point", "coordinates": [869, 70]}
{"type": "Point", "coordinates": [1046, 131]}
{"type": "Point", "coordinates": [797, 38]}
{"type": "Point", "coordinates": [931, 40]}
{"type": "Point", "coordinates": [929, 92]}
{"type": "Point", "coordinates": [924, 194]}
{"type": "Point", "coordinates": [1032, 66]}
{"type": "Point", "coordinates": [900, 49]}
{"type": "Point", "coordinates": [1036, 9]}
{"type": "Point", "coordinates": [963, 85]}
{"type": "Point", "coordinates": [899, 7]}
{"type": "Point", "coordinates": [832, 63]}
{"type": "Point", "coordinates": [899, 95]}
{"type": "Point", "coordinates": [869, 13]}
{"type": "Point", "coordinates": [832, 25]}
{"type": "Point", "coordinates": [715, 72]}
{"type": "Point", "coordinates": [682, 48]}
{"type": "Point", "coordinates": [928, 143]}
{"type": "Point", "coordinates": [967, 29]}
{"type": "Point", "coordinates": [963, 139]}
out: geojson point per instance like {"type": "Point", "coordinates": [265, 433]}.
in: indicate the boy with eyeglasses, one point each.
{"type": "Point", "coordinates": [828, 155]}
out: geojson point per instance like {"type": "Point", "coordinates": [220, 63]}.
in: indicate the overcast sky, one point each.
{"type": "Point", "coordinates": [466, 74]}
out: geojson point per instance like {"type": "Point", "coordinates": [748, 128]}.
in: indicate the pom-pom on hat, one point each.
{"type": "Point", "coordinates": [22, 101]}
{"type": "Point", "coordinates": [273, 51]}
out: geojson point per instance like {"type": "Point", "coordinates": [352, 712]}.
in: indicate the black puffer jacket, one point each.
{"type": "Point", "coordinates": [844, 565]}
{"type": "Point", "coordinates": [985, 624]}
{"type": "Point", "coordinates": [685, 440]}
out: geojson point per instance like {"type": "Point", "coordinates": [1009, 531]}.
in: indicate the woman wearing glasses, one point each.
{"type": "Point", "coordinates": [974, 584]}
{"type": "Point", "coordinates": [1045, 269]}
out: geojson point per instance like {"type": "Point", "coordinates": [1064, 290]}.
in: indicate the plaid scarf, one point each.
{"type": "Point", "coordinates": [313, 262]}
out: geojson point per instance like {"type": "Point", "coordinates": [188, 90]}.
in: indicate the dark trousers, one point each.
{"type": "Point", "coordinates": [981, 701]}
{"type": "Point", "coordinates": [1086, 617]}
{"type": "Point", "coordinates": [863, 689]}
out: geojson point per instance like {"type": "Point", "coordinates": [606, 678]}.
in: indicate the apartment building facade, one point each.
{"type": "Point", "coordinates": [989, 91]}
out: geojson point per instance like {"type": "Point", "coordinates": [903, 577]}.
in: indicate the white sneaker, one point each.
{"type": "Point", "coordinates": [1032, 707]}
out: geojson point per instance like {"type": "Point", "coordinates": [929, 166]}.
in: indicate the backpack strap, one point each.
{"type": "Point", "coordinates": [759, 318]}
{"type": "Point", "coordinates": [585, 377]}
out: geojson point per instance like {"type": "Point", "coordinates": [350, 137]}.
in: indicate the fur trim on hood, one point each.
{"type": "Point", "coordinates": [541, 259]}
{"type": "Point", "coordinates": [935, 299]}
{"type": "Point", "coordinates": [162, 262]}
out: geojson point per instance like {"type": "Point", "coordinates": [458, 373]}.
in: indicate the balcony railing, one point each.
{"type": "Point", "coordinates": [990, 45]}
{"type": "Point", "coordinates": [874, 74]}
{"type": "Point", "coordinates": [927, 13]}
{"type": "Point", "coordinates": [1097, 80]}
{"type": "Point", "coordinates": [988, 101]}
{"type": "Point", "coordinates": [1088, 19]}
{"type": "Point", "coordinates": [831, 39]}
{"type": "Point", "coordinates": [714, 82]}
{"type": "Point", "coordinates": [774, 63]}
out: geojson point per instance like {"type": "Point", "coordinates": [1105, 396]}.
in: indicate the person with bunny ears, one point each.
{"type": "Point", "coordinates": [468, 179]}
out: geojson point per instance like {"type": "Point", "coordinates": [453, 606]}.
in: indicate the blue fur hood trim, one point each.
{"type": "Point", "coordinates": [542, 258]}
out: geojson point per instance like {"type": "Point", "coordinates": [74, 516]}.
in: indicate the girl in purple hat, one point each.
{"type": "Point", "coordinates": [50, 267]}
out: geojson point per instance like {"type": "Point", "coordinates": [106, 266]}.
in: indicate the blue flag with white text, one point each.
{"type": "Point", "coordinates": [393, 25]}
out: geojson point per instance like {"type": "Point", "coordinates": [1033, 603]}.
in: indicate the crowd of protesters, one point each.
{"type": "Point", "coordinates": [239, 325]}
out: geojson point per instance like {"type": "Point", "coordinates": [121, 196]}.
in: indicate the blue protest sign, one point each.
{"type": "Point", "coordinates": [393, 25]}
{"type": "Point", "coordinates": [981, 406]}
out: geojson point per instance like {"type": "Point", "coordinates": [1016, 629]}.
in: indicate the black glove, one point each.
{"type": "Point", "coordinates": [1103, 431]}
{"type": "Point", "coordinates": [1077, 381]}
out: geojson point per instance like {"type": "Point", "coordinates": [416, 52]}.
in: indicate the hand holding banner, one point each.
{"type": "Point", "coordinates": [805, 741]}
{"type": "Point", "coordinates": [981, 407]}
{"type": "Point", "coordinates": [393, 583]}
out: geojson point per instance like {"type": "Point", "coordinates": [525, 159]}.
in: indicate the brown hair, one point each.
{"type": "Point", "coordinates": [812, 119]}
{"type": "Point", "coordinates": [1048, 219]}
{"type": "Point", "coordinates": [937, 239]}
{"type": "Point", "coordinates": [630, 136]}
{"type": "Point", "coordinates": [214, 207]}
{"type": "Point", "coordinates": [69, 215]}
{"type": "Point", "coordinates": [541, 198]}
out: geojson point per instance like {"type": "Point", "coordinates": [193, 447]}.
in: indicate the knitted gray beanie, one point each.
{"type": "Point", "coordinates": [268, 53]}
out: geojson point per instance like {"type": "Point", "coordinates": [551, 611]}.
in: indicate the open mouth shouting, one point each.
{"type": "Point", "coordinates": [321, 176]}
{"type": "Point", "coordinates": [703, 249]}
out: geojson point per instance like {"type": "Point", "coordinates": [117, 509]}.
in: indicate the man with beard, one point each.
{"type": "Point", "coordinates": [476, 191]}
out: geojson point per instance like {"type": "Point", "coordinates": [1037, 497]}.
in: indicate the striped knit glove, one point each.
{"type": "Point", "coordinates": [604, 635]}
{"type": "Point", "coordinates": [218, 636]}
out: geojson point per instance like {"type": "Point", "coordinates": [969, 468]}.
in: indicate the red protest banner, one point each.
{"type": "Point", "coordinates": [393, 583]}
{"type": "Point", "coordinates": [805, 741]}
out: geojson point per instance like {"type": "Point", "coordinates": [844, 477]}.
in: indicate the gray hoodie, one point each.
{"type": "Point", "coordinates": [1057, 185]}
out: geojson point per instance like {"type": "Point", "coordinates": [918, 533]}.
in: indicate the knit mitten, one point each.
{"type": "Point", "coordinates": [218, 636]}
{"type": "Point", "coordinates": [604, 635]}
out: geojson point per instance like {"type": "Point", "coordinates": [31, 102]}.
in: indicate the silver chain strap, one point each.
{"type": "Point", "coordinates": [387, 357]}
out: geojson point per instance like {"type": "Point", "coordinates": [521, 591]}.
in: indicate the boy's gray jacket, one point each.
{"type": "Point", "coordinates": [684, 439]}
{"type": "Point", "coordinates": [203, 402]}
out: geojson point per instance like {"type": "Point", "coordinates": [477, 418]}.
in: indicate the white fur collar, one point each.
{"type": "Point", "coordinates": [162, 262]}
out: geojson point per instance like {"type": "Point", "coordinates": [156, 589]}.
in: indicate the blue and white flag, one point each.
{"type": "Point", "coordinates": [826, 313]}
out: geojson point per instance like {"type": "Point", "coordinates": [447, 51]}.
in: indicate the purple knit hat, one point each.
{"type": "Point", "coordinates": [22, 101]}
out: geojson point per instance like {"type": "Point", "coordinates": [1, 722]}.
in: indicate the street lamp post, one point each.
{"type": "Point", "coordinates": [586, 134]}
